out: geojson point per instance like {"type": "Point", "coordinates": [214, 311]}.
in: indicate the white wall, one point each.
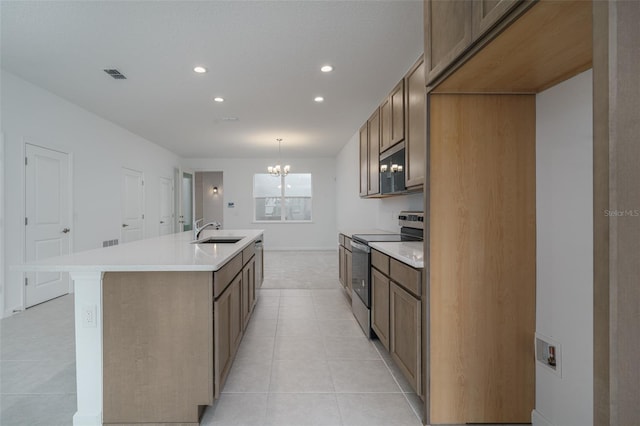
{"type": "Point", "coordinates": [355, 213]}
{"type": "Point", "coordinates": [211, 204]}
{"type": "Point", "coordinates": [99, 150]}
{"type": "Point", "coordinates": [564, 307]}
{"type": "Point", "coordinates": [238, 173]}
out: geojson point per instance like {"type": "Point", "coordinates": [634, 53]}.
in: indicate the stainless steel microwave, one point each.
{"type": "Point", "coordinates": [392, 169]}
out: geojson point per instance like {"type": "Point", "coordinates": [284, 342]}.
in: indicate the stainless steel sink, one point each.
{"type": "Point", "coordinates": [218, 240]}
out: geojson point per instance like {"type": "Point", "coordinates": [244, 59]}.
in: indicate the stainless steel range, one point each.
{"type": "Point", "coordinates": [412, 226]}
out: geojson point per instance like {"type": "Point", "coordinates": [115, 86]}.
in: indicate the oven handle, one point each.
{"type": "Point", "coordinates": [360, 247]}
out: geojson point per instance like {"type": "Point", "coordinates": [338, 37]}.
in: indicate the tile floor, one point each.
{"type": "Point", "coordinates": [303, 359]}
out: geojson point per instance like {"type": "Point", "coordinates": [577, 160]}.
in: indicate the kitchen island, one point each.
{"type": "Point", "coordinates": [157, 324]}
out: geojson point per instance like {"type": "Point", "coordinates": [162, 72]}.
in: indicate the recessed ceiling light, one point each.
{"type": "Point", "coordinates": [318, 99]}
{"type": "Point", "coordinates": [200, 70]}
{"type": "Point", "coordinates": [218, 99]}
{"type": "Point", "coordinates": [326, 68]}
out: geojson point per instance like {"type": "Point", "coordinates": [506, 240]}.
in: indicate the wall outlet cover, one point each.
{"type": "Point", "coordinates": [542, 344]}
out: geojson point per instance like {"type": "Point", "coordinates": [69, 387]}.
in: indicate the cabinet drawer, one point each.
{"type": "Point", "coordinates": [248, 253]}
{"type": "Point", "coordinates": [226, 274]}
{"type": "Point", "coordinates": [341, 238]}
{"type": "Point", "coordinates": [347, 243]}
{"type": "Point", "coordinates": [406, 276]}
{"type": "Point", "coordinates": [380, 261]}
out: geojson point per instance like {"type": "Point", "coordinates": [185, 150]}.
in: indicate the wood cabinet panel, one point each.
{"type": "Point", "coordinates": [416, 116]}
{"type": "Point", "coordinates": [144, 338]}
{"type": "Point", "coordinates": [373, 184]}
{"type": "Point", "coordinates": [248, 253]}
{"type": "Point", "coordinates": [406, 276]}
{"type": "Point", "coordinates": [364, 160]}
{"type": "Point", "coordinates": [447, 34]}
{"type": "Point", "coordinates": [397, 113]}
{"type": "Point", "coordinates": [380, 306]}
{"type": "Point", "coordinates": [348, 271]}
{"type": "Point", "coordinates": [385, 124]}
{"type": "Point", "coordinates": [223, 276]}
{"type": "Point", "coordinates": [227, 330]}
{"type": "Point", "coordinates": [406, 334]}
{"type": "Point", "coordinates": [486, 13]}
{"type": "Point", "coordinates": [380, 261]}
{"type": "Point", "coordinates": [341, 265]}
{"type": "Point", "coordinates": [482, 258]}
{"type": "Point", "coordinates": [248, 291]}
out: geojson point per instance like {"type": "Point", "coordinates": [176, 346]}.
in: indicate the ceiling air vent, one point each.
{"type": "Point", "coordinates": [116, 74]}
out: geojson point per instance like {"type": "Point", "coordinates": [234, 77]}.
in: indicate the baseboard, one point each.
{"type": "Point", "coordinates": [12, 311]}
{"type": "Point", "coordinates": [538, 419]}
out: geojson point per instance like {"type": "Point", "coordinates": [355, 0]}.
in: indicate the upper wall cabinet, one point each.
{"type": "Point", "coordinates": [364, 160]}
{"type": "Point", "coordinates": [447, 29]}
{"type": "Point", "coordinates": [452, 26]}
{"type": "Point", "coordinates": [373, 124]}
{"type": "Point", "coordinates": [486, 13]}
{"type": "Point", "coordinates": [370, 156]}
{"type": "Point", "coordinates": [392, 113]}
{"type": "Point", "coordinates": [416, 141]}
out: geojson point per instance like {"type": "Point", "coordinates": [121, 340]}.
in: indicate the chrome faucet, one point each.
{"type": "Point", "coordinates": [198, 229]}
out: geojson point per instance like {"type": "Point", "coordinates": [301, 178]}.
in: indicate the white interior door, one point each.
{"type": "Point", "coordinates": [132, 205]}
{"type": "Point", "coordinates": [184, 200]}
{"type": "Point", "coordinates": [47, 220]}
{"type": "Point", "coordinates": [166, 206]}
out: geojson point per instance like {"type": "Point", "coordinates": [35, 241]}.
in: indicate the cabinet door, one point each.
{"type": "Point", "coordinates": [416, 141]}
{"type": "Point", "coordinates": [341, 265]}
{"type": "Point", "coordinates": [364, 160]}
{"type": "Point", "coordinates": [405, 334]}
{"type": "Point", "coordinates": [380, 306]}
{"type": "Point", "coordinates": [385, 124]}
{"type": "Point", "coordinates": [248, 291]}
{"type": "Point", "coordinates": [235, 314]}
{"type": "Point", "coordinates": [226, 331]}
{"type": "Point", "coordinates": [397, 113]}
{"type": "Point", "coordinates": [348, 275]}
{"type": "Point", "coordinates": [374, 153]}
{"type": "Point", "coordinates": [486, 13]}
{"type": "Point", "coordinates": [447, 33]}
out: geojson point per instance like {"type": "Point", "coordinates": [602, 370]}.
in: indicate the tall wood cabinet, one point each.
{"type": "Point", "coordinates": [481, 196]}
{"type": "Point", "coordinates": [373, 181]}
{"type": "Point", "coordinates": [364, 160]}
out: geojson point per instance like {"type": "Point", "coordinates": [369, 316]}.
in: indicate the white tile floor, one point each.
{"type": "Point", "coordinates": [303, 359]}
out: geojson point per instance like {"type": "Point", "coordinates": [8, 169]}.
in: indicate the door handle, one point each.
{"type": "Point", "coordinates": [162, 221]}
{"type": "Point", "coordinates": [66, 230]}
{"type": "Point", "coordinates": [124, 225]}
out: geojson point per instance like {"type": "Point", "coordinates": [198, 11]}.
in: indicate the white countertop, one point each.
{"type": "Point", "coordinates": [172, 252]}
{"type": "Point", "coordinates": [409, 252]}
{"type": "Point", "coordinates": [351, 233]}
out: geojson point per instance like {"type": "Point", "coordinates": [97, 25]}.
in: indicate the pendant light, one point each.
{"type": "Point", "coordinates": [277, 170]}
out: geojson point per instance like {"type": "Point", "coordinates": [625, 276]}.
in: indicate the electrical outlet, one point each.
{"type": "Point", "coordinates": [548, 353]}
{"type": "Point", "coordinates": [89, 313]}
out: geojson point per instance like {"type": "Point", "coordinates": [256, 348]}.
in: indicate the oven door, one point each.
{"type": "Point", "coordinates": [361, 271]}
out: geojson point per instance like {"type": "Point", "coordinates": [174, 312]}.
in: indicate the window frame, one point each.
{"type": "Point", "coordinates": [283, 197]}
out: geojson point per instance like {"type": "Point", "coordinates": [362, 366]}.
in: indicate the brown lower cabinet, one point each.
{"type": "Point", "coordinates": [344, 262]}
{"type": "Point", "coordinates": [405, 333]}
{"type": "Point", "coordinates": [396, 314]}
{"type": "Point", "coordinates": [248, 290]}
{"type": "Point", "coordinates": [227, 330]}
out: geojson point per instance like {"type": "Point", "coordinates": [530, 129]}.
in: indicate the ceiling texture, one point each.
{"type": "Point", "coordinates": [263, 58]}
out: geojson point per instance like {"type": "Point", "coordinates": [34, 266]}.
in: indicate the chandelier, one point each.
{"type": "Point", "coordinates": [277, 170]}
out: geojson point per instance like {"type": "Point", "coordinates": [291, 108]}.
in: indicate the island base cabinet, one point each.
{"type": "Point", "coordinates": [157, 359]}
{"type": "Point", "coordinates": [227, 330]}
{"type": "Point", "coordinates": [248, 291]}
{"type": "Point", "coordinates": [406, 334]}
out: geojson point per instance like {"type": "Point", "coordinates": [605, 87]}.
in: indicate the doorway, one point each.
{"type": "Point", "coordinates": [47, 220]}
{"type": "Point", "coordinates": [166, 206]}
{"type": "Point", "coordinates": [132, 205]}
{"type": "Point", "coordinates": [208, 197]}
{"type": "Point", "coordinates": [186, 202]}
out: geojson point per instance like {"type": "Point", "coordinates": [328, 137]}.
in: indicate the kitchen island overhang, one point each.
{"type": "Point", "coordinates": [232, 263]}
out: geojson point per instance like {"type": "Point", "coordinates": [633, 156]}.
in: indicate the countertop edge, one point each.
{"type": "Point", "coordinates": [387, 248]}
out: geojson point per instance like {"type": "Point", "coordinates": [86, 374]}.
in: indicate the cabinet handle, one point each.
{"type": "Point", "coordinates": [66, 230]}
{"type": "Point", "coordinates": [124, 225]}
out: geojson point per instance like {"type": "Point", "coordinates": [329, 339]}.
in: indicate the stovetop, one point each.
{"type": "Point", "coordinates": [371, 238]}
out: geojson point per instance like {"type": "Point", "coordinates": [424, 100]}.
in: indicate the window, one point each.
{"type": "Point", "coordinates": [282, 198]}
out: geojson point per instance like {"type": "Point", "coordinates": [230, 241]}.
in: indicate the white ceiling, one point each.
{"type": "Point", "coordinates": [263, 57]}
